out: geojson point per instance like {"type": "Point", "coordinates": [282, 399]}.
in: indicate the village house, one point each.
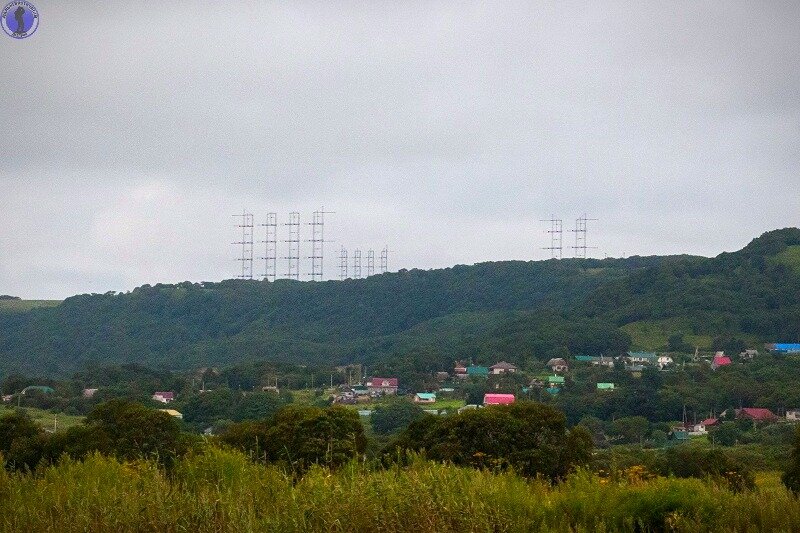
{"type": "Point", "coordinates": [382, 386]}
{"type": "Point", "coordinates": [44, 389]}
{"type": "Point", "coordinates": [663, 361]}
{"type": "Point", "coordinates": [793, 415]}
{"type": "Point", "coordinates": [164, 397]}
{"type": "Point", "coordinates": [783, 348]}
{"type": "Point", "coordinates": [557, 364]}
{"type": "Point", "coordinates": [720, 359]}
{"type": "Point", "coordinates": [477, 371]}
{"type": "Point", "coordinates": [595, 360]}
{"type": "Point", "coordinates": [642, 358]}
{"type": "Point", "coordinates": [425, 397]}
{"type": "Point", "coordinates": [605, 386]}
{"type": "Point", "coordinates": [89, 393]}
{"type": "Point", "coordinates": [442, 376]}
{"type": "Point", "coordinates": [756, 414]}
{"type": "Point", "coordinates": [502, 368]}
{"type": "Point", "coordinates": [172, 412]}
{"type": "Point", "coordinates": [460, 370]}
{"type": "Point", "coordinates": [497, 399]}
{"type": "Point", "coordinates": [702, 427]}
{"type": "Point", "coordinates": [748, 354]}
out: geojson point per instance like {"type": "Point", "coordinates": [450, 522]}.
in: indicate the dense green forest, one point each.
{"type": "Point", "coordinates": [422, 320]}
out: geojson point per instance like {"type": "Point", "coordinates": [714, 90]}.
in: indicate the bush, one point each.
{"type": "Point", "coordinates": [530, 438]}
{"type": "Point", "coordinates": [389, 418]}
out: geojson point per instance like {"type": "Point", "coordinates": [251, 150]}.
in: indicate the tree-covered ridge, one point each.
{"type": "Point", "coordinates": [511, 310]}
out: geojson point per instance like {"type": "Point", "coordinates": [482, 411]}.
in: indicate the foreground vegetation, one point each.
{"type": "Point", "coordinates": [219, 490]}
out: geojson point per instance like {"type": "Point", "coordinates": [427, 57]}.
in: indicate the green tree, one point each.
{"type": "Point", "coordinates": [791, 476]}
{"type": "Point", "coordinates": [394, 416]}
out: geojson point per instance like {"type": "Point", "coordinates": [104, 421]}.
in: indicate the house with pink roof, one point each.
{"type": "Point", "coordinates": [498, 399]}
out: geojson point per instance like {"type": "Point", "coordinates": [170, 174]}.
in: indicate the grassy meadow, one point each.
{"type": "Point", "coordinates": [219, 490]}
{"type": "Point", "coordinates": [46, 419]}
{"type": "Point", "coordinates": [22, 306]}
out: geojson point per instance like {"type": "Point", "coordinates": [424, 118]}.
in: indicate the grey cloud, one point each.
{"type": "Point", "coordinates": [131, 132]}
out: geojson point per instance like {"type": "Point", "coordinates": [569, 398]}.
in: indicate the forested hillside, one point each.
{"type": "Point", "coordinates": [518, 311]}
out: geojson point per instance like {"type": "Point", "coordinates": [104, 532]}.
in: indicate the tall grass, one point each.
{"type": "Point", "coordinates": [223, 491]}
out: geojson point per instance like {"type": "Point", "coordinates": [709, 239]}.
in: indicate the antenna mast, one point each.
{"type": "Point", "coordinates": [357, 264]}
{"type": "Point", "coordinates": [385, 260]}
{"type": "Point", "coordinates": [317, 243]}
{"type": "Point", "coordinates": [556, 232]}
{"type": "Point", "coordinates": [343, 263]}
{"type": "Point", "coordinates": [370, 263]}
{"type": "Point", "coordinates": [247, 245]}
{"type": "Point", "coordinates": [293, 270]}
{"type": "Point", "coordinates": [581, 232]}
{"type": "Point", "coordinates": [271, 247]}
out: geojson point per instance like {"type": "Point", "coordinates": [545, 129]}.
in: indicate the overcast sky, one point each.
{"type": "Point", "coordinates": [132, 131]}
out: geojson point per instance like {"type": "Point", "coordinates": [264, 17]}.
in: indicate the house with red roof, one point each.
{"type": "Point", "coordinates": [705, 425]}
{"type": "Point", "coordinates": [498, 399]}
{"type": "Point", "coordinates": [757, 414]}
{"type": "Point", "coordinates": [164, 397]}
{"type": "Point", "coordinates": [720, 359]}
{"type": "Point", "coordinates": [382, 386]}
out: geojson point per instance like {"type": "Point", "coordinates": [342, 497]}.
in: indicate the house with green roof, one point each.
{"type": "Point", "coordinates": [38, 388]}
{"type": "Point", "coordinates": [555, 380]}
{"type": "Point", "coordinates": [478, 371]}
{"type": "Point", "coordinates": [605, 386]}
{"type": "Point", "coordinates": [425, 397]}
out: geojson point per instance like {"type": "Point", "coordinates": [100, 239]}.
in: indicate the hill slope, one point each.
{"type": "Point", "coordinates": [421, 319]}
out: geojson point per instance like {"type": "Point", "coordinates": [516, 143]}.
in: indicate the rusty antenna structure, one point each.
{"type": "Point", "coordinates": [270, 247]}
{"type": "Point", "coordinates": [246, 243]}
{"type": "Point", "coordinates": [356, 264]}
{"type": "Point", "coordinates": [581, 232]}
{"type": "Point", "coordinates": [370, 263]}
{"type": "Point", "coordinates": [385, 260]}
{"type": "Point", "coordinates": [317, 243]}
{"type": "Point", "coordinates": [293, 259]}
{"type": "Point", "coordinates": [556, 232]}
{"type": "Point", "coordinates": [343, 264]}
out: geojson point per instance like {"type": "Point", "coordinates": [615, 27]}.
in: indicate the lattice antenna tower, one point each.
{"type": "Point", "coordinates": [356, 264]}
{"type": "Point", "coordinates": [246, 243]}
{"type": "Point", "coordinates": [270, 243]}
{"type": "Point", "coordinates": [556, 232]}
{"type": "Point", "coordinates": [370, 263]}
{"type": "Point", "coordinates": [385, 260]}
{"type": "Point", "coordinates": [317, 243]}
{"type": "Point", "coordinates": [343, 263]}
{"type": "Point", "coordinates": [581, 233]}
{"type": "Point", "coordinates": [293, 259]}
